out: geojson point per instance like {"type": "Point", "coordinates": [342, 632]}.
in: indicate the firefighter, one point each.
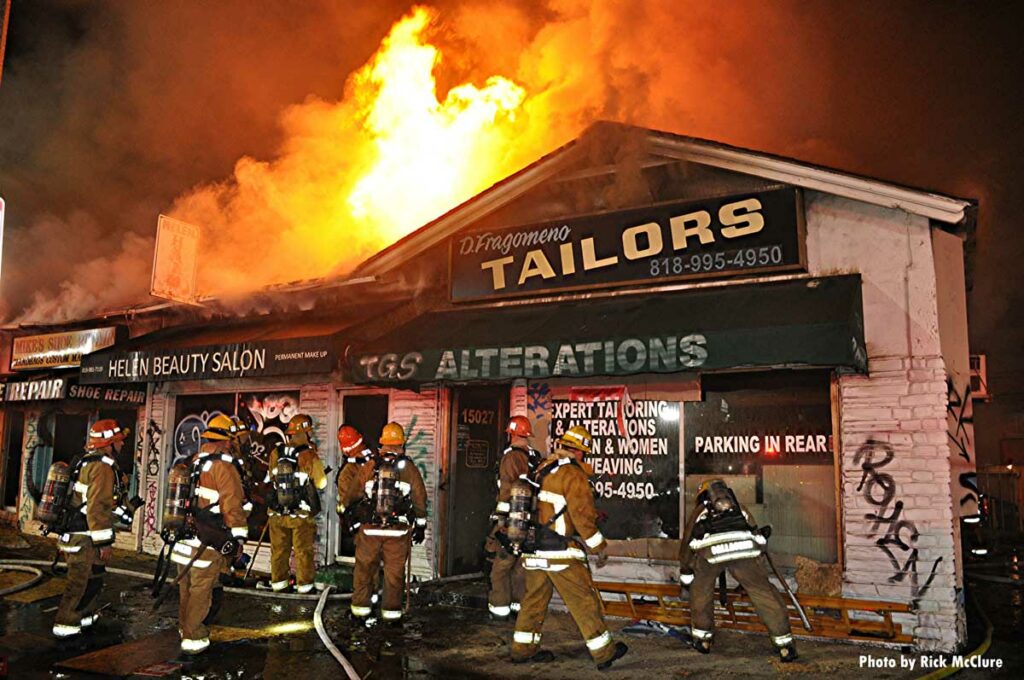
{"type": "Point", "coordinates": [565, 526]}
{"type": "Point", "coordinates": [721, 534]}
{"type": "Point", "coordinates": [218, 532]}
{"type": "Point", "coordinates": [88, 533]}
{"type": "Point", "coordinates": [298, 477]}
{"type": "Point", "coordinates": [508, 578]}
{"type": "Point", "coordinates": [395, 512]}
{"type": "Point", "coordinates": [354, 452]}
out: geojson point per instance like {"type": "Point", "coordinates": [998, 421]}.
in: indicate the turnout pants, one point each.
{"type": "Point", "coordinates": [753, 576]}
{"type": "Point", "coordinates": [195, 595]}
{"type": "Point", "coordinates": [577, 591]}
{"type": "Point", "coordinates": [508, 583]}
{"type": "Point", "coordinates": [85, 580]}
{"type": "Point", "coordinates": [287, 533]}
{"type": "Point", "coordinates": [370, 552]}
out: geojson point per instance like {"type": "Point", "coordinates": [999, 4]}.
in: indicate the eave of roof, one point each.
{"type": "Point", "coordinates": [947, 209]}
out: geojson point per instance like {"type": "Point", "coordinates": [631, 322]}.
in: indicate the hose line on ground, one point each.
{"type": "Point", "coordinates": [309, 597]}
{"type": "Point", "coordinates": [318, 623]}
{"type": "Point", "coordinates": [17, 588]}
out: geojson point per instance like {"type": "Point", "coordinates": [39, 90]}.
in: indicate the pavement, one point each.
{"type": "Point", "coordinates": [446, 635]}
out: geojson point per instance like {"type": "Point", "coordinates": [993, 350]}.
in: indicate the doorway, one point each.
{"type": "Point", "coordinates": [12, 449]}
{"type": "Point", "coordinates": [368, 413]}
{"type": "Point", "coordinates": [478, 419]}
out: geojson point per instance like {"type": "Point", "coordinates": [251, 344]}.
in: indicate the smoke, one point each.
{"type": "Point", "coordinates": [259, 125]}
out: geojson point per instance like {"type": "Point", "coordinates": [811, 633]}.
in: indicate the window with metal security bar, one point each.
{"type": "Point", "coordinates": [979, 378]}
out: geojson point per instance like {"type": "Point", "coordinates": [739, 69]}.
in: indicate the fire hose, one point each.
{"type": "Point", "coordinates": [12, 564]}
{"type": "Point", "coordinates": [318, 623]}
{"type": "Point", "coordinates": [37, 577]}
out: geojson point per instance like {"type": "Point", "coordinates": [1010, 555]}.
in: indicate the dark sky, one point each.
{"type": "Point", "coordinates": [108, 111]}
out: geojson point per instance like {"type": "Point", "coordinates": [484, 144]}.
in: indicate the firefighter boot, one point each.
{"type": "Point", "coordinates": [702, 643]}
{"type": "Point", "coordinates": [620, 651]}
{"type": "Point", "coordinates": [787, 653]}
{"type": "Point", "coordinates": [540, 656]}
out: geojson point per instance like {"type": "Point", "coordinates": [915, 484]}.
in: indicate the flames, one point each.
{"type": "Point", "coordinates": [428, 155]}
{"type": "Point", "coordinates": [354, 176]}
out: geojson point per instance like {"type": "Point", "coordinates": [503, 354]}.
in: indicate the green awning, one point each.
{"type": "Point", "coordinates": [799, 323]}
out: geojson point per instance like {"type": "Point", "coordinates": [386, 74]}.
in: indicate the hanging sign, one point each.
{"type": "Point", "coordinates": [716, 237]}
{"type": "Point", "coordinates": [59, 350]}
{"type": "Point", "coordinates": [636, 471]}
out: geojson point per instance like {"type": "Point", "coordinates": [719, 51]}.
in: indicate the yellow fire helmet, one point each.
{"type": "Point", "coordinates": [240, 428]}
{"type": "Point", "coordinates": [576, 437]}
{"type": "Point", "coordinates": [300, 422]}
{"type": "Point", "coordinates": [392, 435]}
{"type": "Point", "coordinates": [706, 484]}
{"type": "Point", "coordinates": [219, 428]}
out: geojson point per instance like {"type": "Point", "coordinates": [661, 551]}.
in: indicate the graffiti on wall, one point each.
{"type": "Point", "coordinates": [960, 425]}
{"type": "Point", "coordinates": [31, 443]}
{"type": "Point", "coordinates": [900, 538]}
{"type": "Point", "coordinates": [187, 436]}
{"type": "Point", "coordinates": [154, 440]}
{"type": "Point", "coordinates": [270, 415]}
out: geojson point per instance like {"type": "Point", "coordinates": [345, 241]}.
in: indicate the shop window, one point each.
{"type": "Point", "coordinates": [769, 436]}
{"type": "Point", "coordinates": [13, 438]}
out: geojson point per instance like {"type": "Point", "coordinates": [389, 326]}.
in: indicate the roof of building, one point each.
{"type": "Point", "coordinates": [943, 208]}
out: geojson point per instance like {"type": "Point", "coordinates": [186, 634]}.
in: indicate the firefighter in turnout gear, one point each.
{"type": "Point", "coordinates": [88, 527]}
{"type": "Point", "coordinates": [214, 537]}
{"type": "Point", "coordinates": [298, 476]}
{"type": "Point", "coordinates": [393, 509]}
{"type": "Point", "coordinates": [565, 526]}
{"type": "Point", "coordinates": [508, 578]}
{"type": "Point", "coordinates": [354, 452]}
{"type": "Point", "coordinates": [720, 534]}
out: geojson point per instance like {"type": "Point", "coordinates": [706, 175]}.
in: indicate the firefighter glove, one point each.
{"type": "Point", "coordinates": [419, 533]}
{"type": "Point", "coordinates": [765, 531]}
{"type": "Point", "coordinates": [601, 559]}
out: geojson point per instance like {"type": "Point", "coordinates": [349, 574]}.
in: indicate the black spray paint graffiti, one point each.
{"type": "Point", "coordinates": [960, 421]}
{"type": "Point", "coordinates": [879, 489]}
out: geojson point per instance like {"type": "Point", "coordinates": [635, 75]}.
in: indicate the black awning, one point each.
{"type": "Point", "coordinates": [800, 323]}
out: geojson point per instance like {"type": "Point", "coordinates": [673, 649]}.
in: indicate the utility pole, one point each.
{"type": "Point", "coordinates": [5, 15]}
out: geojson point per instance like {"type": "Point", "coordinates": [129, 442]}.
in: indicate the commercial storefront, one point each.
{"type": "Point", "coordinates": [790, 328]}
{"type": "Point", "coordinates": [704, 310]}
{"type": "Point", "coordinates": [46, 414]}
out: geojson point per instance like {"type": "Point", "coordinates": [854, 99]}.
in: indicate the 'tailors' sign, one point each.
{"type": "Point", "coordinates": [711, 238]}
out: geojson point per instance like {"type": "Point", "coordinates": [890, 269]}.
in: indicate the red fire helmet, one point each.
{"type": "Point", "coordinates": [349, 438]}
{"type": "Point", "coordinates": [103, 433]}
{"type": "Point", "coordinates": [519, 426]}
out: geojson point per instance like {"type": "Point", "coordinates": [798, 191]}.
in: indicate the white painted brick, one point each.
{"type": "Point", "coordinates": [924, 400]}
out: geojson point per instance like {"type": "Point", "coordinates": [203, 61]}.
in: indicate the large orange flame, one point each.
{"type": "Point", "coordinates": [356, 175]}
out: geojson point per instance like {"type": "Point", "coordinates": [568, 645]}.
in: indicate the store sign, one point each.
{"type": "Point", "coordinates": [242, 360]}
{"type": "Point", "coordinates": [605, 357]}
{"type": "Point", "coordinates": [712, 238]}
{"type": "Point", "coordinates": [46, 389]}
{"type": "Point", "coordinates": [635, 461]}
{"type": "Point", "coordinates": [59, 350]}
{"type": "Point", "coordinates": [112, 395]}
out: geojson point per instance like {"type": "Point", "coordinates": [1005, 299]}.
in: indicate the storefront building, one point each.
{"type": "Point", "coordinates": [46, 412]}
{"type": "Point", "coordinates": [703, 310]}
{"type": "Point", "coordinates": [706, 311]}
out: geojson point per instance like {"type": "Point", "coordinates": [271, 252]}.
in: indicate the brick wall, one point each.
{"type": "Point", "coordinates": [418, 413]}
{"type": "Point", "coordinates": [896, 495]}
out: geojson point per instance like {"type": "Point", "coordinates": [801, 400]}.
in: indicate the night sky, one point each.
{"type": "Point", "coordinates": [108, 111]}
